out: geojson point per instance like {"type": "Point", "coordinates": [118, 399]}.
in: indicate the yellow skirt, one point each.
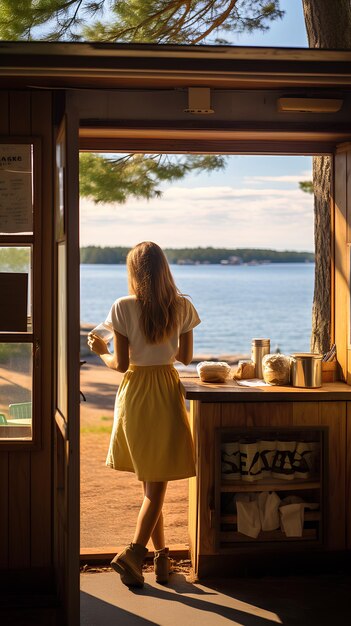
{"type": "Point", "coordinates": [151, 434]}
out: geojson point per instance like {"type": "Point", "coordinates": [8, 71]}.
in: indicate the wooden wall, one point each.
{"type": "Point", "coordinates": [26, 524]}
{"type": "Point", "coordinates": [26, 537]}
{"type": "Point", "coordinates": [342, 251]}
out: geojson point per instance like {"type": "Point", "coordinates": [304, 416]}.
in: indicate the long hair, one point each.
{"type": "Point", "coordinates": [151, 281]}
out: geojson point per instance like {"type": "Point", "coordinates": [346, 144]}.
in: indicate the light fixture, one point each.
{"type": "Point", "coordinates": [199, 101]}
{"type": "Point", "coordinates": [309, 105]}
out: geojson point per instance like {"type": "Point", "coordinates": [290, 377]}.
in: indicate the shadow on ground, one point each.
{"type": "Point", "coordinates": [317, 601]}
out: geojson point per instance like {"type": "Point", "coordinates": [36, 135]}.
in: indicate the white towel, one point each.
{"type": "Point", "coordinates": [268, 505]}
{"type": "Point", "coordinates": [292, 514]}
{"type": "Point", "coordinates": [248, 520]}
{"type": "Point", "coordinates": [292, 518]}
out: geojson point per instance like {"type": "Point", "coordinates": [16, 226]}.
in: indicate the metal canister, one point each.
{"type": "Point", "coordinates": [259, 348]}
{"type": "Point", "coordinates": [306, 369]}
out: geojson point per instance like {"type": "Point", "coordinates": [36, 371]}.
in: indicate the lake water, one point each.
{"type": "Point", "coordinates": [235, 303]}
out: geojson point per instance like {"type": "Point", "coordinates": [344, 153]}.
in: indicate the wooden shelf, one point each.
{"type": "Point", "coordinates": [310, 516]}
{"type": "Point", "coordinates": [309, 534]}
{"type": "Point", "coordinates": [233, 486]}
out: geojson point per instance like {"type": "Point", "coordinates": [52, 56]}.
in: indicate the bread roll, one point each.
{"type": "Point", "coordinates": [213, 371]}
{"type": "Point", "coordinates": [246, 369]}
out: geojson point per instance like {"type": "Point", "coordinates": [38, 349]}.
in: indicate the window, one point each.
{"type": "Point", "coordinates": [19, 285]}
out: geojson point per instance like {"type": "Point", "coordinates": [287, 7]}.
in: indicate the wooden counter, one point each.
{"type": "Point", "coordinates": [231, 391]}
{"type": "Point", "coordinates": [226, 412]}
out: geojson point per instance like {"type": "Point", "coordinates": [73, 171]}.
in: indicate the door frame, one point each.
{"type": "Point", "coordinates": [144, 138]}
{"type": "Point", "coordinates": [66, 426]}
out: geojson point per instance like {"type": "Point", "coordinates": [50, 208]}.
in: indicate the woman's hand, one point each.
{"type": "Point", "coordinates": [97, 345]}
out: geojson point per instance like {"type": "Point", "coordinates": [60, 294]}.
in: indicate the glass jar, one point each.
{"type": "Point", "coordinates": [259, 348]}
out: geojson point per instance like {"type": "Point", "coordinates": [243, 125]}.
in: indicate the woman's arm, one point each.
{"type": "Point", "coordinates": [185, 348]}
{"type": "Point", "coordinates": [119, 360]}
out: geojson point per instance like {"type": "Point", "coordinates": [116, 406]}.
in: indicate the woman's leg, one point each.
{"type": "Point", "coordinates": [149, 514]}
{"type": "Point", "coordinates": [157, 535]}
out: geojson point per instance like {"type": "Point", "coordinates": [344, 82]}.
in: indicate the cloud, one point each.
{"type": "Point", "coordinates": [214, 215]}
{"type": "Point", "coordinates": [294, 178]}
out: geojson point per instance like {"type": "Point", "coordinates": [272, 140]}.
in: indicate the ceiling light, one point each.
{"type": "Point", "coordinates": [309, 105]}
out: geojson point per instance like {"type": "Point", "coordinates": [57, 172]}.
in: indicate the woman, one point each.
{"type": "Point", "coordinates": [153, 327]}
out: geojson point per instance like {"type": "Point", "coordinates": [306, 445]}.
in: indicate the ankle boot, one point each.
{"type": "Point", "coordinates": [129, 563]}
{"type": "Point", "coordinates": [162, 565]}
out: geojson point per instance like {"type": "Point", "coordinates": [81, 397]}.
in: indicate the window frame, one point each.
{"type": "Point", "coordinates": [34, 337]}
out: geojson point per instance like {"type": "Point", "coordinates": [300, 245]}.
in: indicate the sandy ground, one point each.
{"type": "Point", "coordinates": [110, 499]}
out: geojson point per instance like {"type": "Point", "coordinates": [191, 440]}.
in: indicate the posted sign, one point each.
{"type": "Point", "coordinates": [16, 203]}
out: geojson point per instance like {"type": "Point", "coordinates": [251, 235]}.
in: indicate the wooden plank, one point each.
{"type": "Point", "coordinates": [348, 193]}
{"type": "Point", "coordinates": [341, 264]}
{"type": "Point", "coordinates": [333, 415]}
{"type": "Point", "coordinates": [73, 366]}
{"type": "Point", "coordinates": [19, 461]}
{"type": "Point", "coordinates": [233, 415]}
{"type": "Point", "coordinates": [348, 253]}
{"type": "Point", "coordinates": [4, 112]}
{"type": "Point", "coordinates": [306, 414]}
{"type": "Point", "coordinates": [209, 420]}
{"type": "Point", "coordinates": [193, 488]}
{"type": "Point", "coordinates": [19, 509]}
{"type": "Point", "coordinates": [19, 113]}
{"type": "Point", "coordinates": [268, 485]}
{"type": "Point", "coordinates": [309, 516]}
{"type": "Point", "coordinates": [4, 520]}
{"type": "Point", "coordinates": [272, 414]}
{"type": "Point", "coordinates": [348, 477]}
{"type": "Point", "coordinates": [266, 536]}
{"type": "Point", "coordinates": [349, 360]}
{"type": "Point", "coordinates": [332, 250]}
{"type": "Point", "coordinates": [248, 415]}
{"type": "Point", "coordinates": [41, 479]}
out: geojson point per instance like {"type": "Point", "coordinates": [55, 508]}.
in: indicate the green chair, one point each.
{"type": "Point", "coordinates": [21, 410]}
{"type": "Point", "coordinates": [3, 419]}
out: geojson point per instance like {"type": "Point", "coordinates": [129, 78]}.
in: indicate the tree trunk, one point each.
{"type": "Point", "coordinates": [328, 25]}
{"type": "Point", "coordinates": [320, 337]}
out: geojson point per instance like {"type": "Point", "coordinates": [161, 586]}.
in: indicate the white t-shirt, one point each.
{"type": "Point", "coordinates": [124, 317]}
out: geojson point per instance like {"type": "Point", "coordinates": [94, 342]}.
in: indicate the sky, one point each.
{"type": "Point", "coordinates": [255, 202]}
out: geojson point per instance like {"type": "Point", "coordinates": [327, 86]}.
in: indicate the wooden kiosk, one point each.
{"type": "Point", "coordinates": [59, 98]}
{"type": "Point", "coordinates": [227, 412]}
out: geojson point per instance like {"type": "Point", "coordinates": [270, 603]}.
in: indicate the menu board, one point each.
{"type": "Point", "coordinates": [16, 204]}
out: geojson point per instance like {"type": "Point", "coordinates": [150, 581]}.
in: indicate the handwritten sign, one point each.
{"type": "Point", "coordinates": [16, 203]}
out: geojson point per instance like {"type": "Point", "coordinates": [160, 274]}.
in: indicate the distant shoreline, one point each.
{"type": "Point", "coordinates": [97, 255]}
{"type": "Point", "coordinates": [209, 263]}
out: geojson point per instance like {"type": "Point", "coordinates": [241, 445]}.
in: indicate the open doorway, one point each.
{"type": "Point", "coordinates": [240, 243]}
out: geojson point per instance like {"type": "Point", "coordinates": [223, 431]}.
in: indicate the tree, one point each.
{"type": "Point", "coordinates": [306, 186]}
{"type": "Point", "coordinates": [14, 259]}
{"type": "Point", "coordinates": [116, 178]}
{"type": "Point", "coordinates": [328, 25]}
{"type": "Point", "coordinates": [57, 19]}
{"type": "Point", "coordinates": [159, 21]}
{"type": "Point", "coordinates": [183, 21]}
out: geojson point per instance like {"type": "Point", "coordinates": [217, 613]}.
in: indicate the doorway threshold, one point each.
{"type": "Point", "coordinates": [103, 555]}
